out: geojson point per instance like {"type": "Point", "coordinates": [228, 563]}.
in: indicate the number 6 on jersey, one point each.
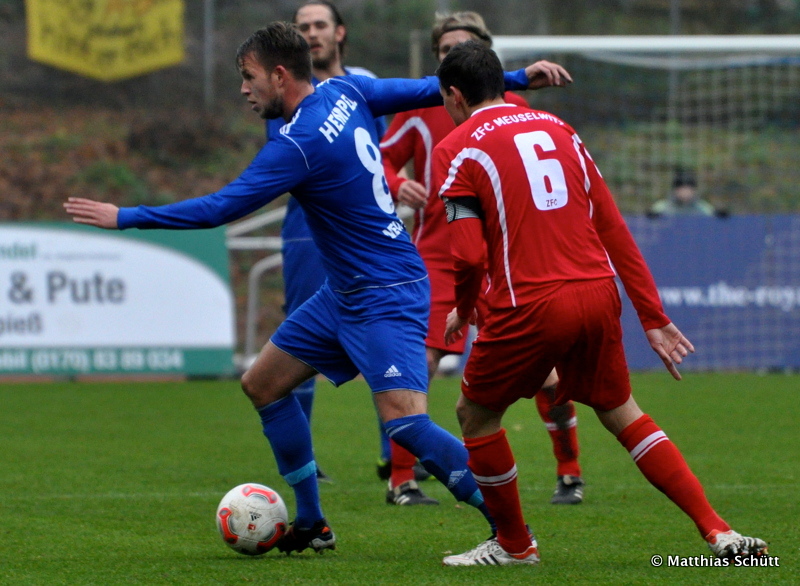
{"type": "Point", "coordinates": [545, 176]}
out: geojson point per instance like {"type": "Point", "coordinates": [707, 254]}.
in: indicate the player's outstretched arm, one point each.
{"type": "Point", "coordinates": [546, 74]}
{"type": "Point", "coordinates": [670, 345]}
{"type": "Point", "coordinates": [92, 213]}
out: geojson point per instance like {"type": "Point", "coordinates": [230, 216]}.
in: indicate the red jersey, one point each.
{"type": "Point", "coordinates": [412, 135]}
{"type": "Point", "coordinates": [546, 213]}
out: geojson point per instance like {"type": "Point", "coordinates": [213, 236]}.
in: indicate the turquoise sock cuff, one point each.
{"type": "Point", "coordinates": [301, 474]}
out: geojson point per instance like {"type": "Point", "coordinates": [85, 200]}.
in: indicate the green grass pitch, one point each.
{"type": "Point", "coordinates": [117, 483]}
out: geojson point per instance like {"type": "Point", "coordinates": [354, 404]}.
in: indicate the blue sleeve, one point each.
{"type": "Point", "coordinates": [516, 80]}
{"type": "Point", "coordinates": [389, 96]}
{"type": "Point", "coordinates": [276, 169]}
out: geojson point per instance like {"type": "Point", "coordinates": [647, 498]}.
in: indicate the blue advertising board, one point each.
{"type": "Point", "coordinates": [732, 286]}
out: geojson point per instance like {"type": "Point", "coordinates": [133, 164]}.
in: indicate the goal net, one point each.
{"type": "Point", "coordinates": [725, 107]}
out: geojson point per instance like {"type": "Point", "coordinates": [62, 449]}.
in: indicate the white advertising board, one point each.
{"type": "Point", "coordinates": [77, 300]}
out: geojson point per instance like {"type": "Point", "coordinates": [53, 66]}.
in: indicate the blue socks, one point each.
{"type": "Point", "coordinates": [305, 394]}
{"type": "Point", "coordinates": [441, 454]}
{"type": "Point", "coordinates": [386, 448]}
{"type": "Point", "coordinates": [286, 427]}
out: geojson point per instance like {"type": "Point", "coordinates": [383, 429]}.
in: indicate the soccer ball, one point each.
{"type": "Point", "coordinates": [251, 518]}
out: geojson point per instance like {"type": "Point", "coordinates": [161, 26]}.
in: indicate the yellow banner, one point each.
{"type": "Point", "coordinates": [106, 39]}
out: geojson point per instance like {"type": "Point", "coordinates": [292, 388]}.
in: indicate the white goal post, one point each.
{"type": "Point", "coordinates": [510, 47]}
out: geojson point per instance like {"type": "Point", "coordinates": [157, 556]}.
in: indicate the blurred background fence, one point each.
{"type": "Point", "coordinates": [184, 131]}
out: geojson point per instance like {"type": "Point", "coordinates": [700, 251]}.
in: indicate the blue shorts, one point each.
{"type": "Point", "coordinates": [379, 332]}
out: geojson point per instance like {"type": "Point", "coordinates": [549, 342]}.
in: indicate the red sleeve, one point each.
{"type": "Point", "coordinates": [623, 251]}
{"type": "Point", "coordinates": [466, 234]}
{"type": "Point", "coordinates": [397, 150]}
{"type": "Point", "coordinates": [469, 262]}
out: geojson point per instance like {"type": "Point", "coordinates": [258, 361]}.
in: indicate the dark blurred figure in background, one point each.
{"type": "Point", "coordinates": [684, 199]}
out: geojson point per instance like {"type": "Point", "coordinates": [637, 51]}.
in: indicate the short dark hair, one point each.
{"type": "Point", "coordinates": [278, 43]}
{"type": "Point", "coordinates": [684, 177]}
{"type": "Point", "coordinates": [475, 70]}
{"type": "Point", "coordinates": [337, 18]}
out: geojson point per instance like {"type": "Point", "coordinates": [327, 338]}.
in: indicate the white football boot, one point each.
{"type": "Point", "coordinates": [729, 544]}
{"type": "Point", "coordinates": [490, 553]}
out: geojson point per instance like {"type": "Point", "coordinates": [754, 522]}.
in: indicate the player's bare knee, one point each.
{"type": "Point", "coordinates": [400, 403]}
{"type": "Point", "coordinates": [476, 421]}
{"type": "Point", "coordinates": [434, 357]}
{"type": "Point", "coordinates": [433, 366]}
{"type": "Point", "coordinates": [551, 383]}
{"type": "Point", "coordinates": [248, 385]}
{"type": "Point", "coordinates": [462, 414]}
{"type": "Point", "coordinates": [257, 389]}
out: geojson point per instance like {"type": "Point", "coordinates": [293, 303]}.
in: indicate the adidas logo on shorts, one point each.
{"type": "Point", "coordinates": [392, 371]}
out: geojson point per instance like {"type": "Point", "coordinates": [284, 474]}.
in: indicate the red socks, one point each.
{"type": "Point", "coordinates": [402, 464]}
{"type": "Point", "coordinates": [492, 464]}
{"type": "Point", "coordinates": [561, 424]}
{"type": "Point", "coordinates": [663, 465]}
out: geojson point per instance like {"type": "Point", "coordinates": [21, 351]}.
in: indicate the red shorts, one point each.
{"type": "Point", "coordinates": [576, 329]}
{"type": "Point", "coordinates": [443, 300]}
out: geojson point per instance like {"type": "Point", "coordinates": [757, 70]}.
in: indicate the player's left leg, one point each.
{"type": "Point", "coordinates": [561, 423]}
{"type": "Point", "coordinates": [388, 347]}
{"type": "Point", "coordinates": [404, 412]}
{"type": "Point", "coordinates": [662, 464]}
{"type": "Point", "coordinates": [599, 369]}
{"type": "Point", "coordinates": [402, 467]}
{"type": "Point", "coordinates": [512, 358]}
{"type": "Point", "coordinates": [403, 464]}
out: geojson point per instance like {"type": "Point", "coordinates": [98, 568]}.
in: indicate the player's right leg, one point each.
{"type": "Point", "coordinates": [304, 344]}
{"type": "Point", "coordinates": [269, 383]}
{"type": "Point", "coordinates": [595, 373]}
{"type": "Point", "coordinates": [303, 275]}
{"type": "Point", "coordinates": [495, 471]}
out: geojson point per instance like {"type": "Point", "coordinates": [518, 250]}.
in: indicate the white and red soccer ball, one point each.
{"type": "Point", "coordinates": [251, 518]}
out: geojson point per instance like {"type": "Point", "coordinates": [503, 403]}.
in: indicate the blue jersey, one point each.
{"type": "Point", "coordinates": [294, 227]}
{"type": "Point", "coordinates": [327, 156]}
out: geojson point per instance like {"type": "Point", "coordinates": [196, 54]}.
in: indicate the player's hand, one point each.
{"type": "Point", "coordinates": [454, 327]}
{"type": "Point", "coordinates": [93, 213]}
{"type": "Point", "coordinates": [413, 194]}
{"type": "Point", "coordinates": [546, 74]}
{"type": "Point", "coordinates": [671, 346]}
